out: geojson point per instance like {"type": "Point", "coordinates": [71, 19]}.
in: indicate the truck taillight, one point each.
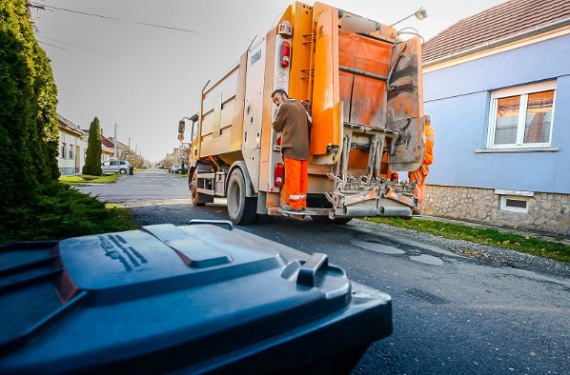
{"type": "Point", "coordinates": [285, 54]}
{"type": "Point", "coordinates": [278, 141]}
{"type": "Point", "coordinates": [395, 177]}
{"type": "Point", "coordinates": [278, 174]}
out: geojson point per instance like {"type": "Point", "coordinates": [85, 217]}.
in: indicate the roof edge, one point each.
{"type": "Point", "coordinates": [498, 42]}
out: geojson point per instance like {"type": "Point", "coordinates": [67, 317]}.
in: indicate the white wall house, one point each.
{"type": "Point", "coordinates": [72, 147]}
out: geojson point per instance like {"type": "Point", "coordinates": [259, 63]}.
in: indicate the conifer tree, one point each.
{"type": "Point", "coordinates": [45, 90]}
{"type": "Point", "coordinates": [28, 119]}
{"type": "Point", "coordinates": [93, 159]}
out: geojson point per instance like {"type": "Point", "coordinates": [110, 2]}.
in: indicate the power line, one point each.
{"type": "Point", "coordinates": [52, 45]}
{"type": "Point", "coordinates": [74, 45]}
{"type": "Point", "coordinates": [39, 6]}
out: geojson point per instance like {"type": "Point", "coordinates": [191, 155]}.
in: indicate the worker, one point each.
{"type": "Point", "coordinates": [419, 175]}
{"type": "Point", "coordinates": [293, 121]}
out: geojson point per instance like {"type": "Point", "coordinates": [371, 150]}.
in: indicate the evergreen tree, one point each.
{"type": "Point", "coordinates": [28, 120]}
{"type": "Point", "coordinates": [93, 158]}
{"type": "Point", "coordinates": [33, 205]}
{"type": "Point", "coordinates": [47, 152]}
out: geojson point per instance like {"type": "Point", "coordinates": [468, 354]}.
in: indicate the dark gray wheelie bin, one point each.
{"type": "Point", "coordinates": [191, 299]}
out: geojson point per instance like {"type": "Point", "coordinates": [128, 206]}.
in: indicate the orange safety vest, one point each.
{"type": "Point", "coordinates": [430, 139]}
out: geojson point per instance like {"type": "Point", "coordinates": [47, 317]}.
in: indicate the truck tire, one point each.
{"type": "Point", "coordinates": [198, 199]}
{"type": "Point", "coordinates": [241, 209]}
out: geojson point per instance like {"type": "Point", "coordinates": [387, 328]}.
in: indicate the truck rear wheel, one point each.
{"type": "Point", "coordinates": [198, 199]}
{"type": "Point", "coordinates": [241, 209]}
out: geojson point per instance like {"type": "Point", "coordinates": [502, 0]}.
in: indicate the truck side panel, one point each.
{"type": "Point", "coordinates": [267, 133]}
{"type": "Point", "coordinates": [219, 108]}
{"type": "Point", "coordinates": [252, 120]}
{"type": "Point", "coordinates": [237, 122]}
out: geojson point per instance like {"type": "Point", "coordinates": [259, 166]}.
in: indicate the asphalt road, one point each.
{"type": "Point", "coordinates": [452, 314]}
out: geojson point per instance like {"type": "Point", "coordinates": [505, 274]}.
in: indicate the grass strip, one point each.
{"type": "Point", "coordinates": [529, 244]}
{"type": "Point", "coordinates": [87, 179]}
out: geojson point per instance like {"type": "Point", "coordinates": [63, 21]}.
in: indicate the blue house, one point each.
{"type": "Point", "coordinates": [497, 85]}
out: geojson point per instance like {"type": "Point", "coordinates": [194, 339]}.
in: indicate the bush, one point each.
{"type": "Point", "coordinates": [61, 212]}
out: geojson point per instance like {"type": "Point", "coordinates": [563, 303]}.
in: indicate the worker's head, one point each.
{"type": "Point", "coordinates": [279, 96]}
{"type": "Point", "coordinates": [427, 118]}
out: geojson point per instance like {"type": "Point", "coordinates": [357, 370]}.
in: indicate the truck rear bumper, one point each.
{"type": "Point", "coordinates": [370, 208]}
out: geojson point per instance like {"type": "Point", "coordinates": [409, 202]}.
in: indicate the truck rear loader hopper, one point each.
{"type": "Point", "coordinates": [362, 86]}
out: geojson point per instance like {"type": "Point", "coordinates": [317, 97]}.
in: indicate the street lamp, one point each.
{"type": "Point", "coordinates": [420, 14]}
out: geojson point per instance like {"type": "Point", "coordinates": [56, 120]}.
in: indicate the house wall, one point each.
{"type": "Point", "coordinates": [547, 212]}
{"type": "Point", "coordinates": [74, 164]}
{"type": "Point", "coordinates": [458, 98]}
{"type": "Point", "coordinates": [106, 155]}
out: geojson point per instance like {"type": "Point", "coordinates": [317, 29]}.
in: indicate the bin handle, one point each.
{"type": "Point", "coordinates": [308, 271]}
{"type": "Point", "coordinates": [220, 223]}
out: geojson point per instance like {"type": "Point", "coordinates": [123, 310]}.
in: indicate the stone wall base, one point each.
{"type": "Point", "coordinates": [544, 212]}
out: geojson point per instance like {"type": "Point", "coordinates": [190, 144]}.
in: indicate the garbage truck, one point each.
{"type": "Point", "coordinates": [361, 84]}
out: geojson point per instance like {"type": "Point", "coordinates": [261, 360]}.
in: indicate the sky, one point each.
{"type": "Point", "coordinates": [140, 65]}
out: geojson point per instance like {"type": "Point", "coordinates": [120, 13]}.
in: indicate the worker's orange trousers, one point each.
{"type": "Point", "coordinates": [419, 175]}
{"type": "Point", "coordinates": [294, 191]}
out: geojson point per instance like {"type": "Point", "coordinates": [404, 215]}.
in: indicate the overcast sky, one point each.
{"type": "Point", "coordinates": [145, 78]}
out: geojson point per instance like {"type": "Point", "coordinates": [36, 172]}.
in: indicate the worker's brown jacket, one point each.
{"type": "Point", "coordinates": [293, 122]}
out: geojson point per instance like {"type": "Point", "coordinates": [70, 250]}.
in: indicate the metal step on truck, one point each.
{"type": "Point", "coordinates": [362, 86]}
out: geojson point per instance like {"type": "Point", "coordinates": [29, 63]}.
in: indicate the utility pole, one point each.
{"type": "Point", "coordinates": [115, 141]}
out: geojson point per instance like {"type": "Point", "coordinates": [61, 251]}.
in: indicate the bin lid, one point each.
{"type": "Point", "coordinates": [201, 287]}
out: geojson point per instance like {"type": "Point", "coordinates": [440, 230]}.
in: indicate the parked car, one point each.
{"type": "Point", "coordinates": [115, 166]}
{"type": "Point", "coordinates": [175, 169]}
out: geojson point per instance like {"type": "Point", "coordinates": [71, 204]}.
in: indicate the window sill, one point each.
{"type": "Point", "coordinates": [516, 149]}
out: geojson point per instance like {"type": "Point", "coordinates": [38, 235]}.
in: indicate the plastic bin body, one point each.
{"type": "Point", "coordinates": [191, 299]}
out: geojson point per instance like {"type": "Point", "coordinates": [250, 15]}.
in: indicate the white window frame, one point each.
{"type": "Point", "coordinates": [514, 195]}
{"type": "Point", "coordinates": [523, 92]}
{"type": "Point", "coordinates": [503, 206]}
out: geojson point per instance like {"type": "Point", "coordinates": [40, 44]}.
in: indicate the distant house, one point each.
{"type": "Point", "coordinates": [107, 148]}
{"type": "Point", "coordinates": [123, 150]}
{"type": "Point", "coordinates": [72, 146]}
{"type": "Point", "coordinates": [497, 86]}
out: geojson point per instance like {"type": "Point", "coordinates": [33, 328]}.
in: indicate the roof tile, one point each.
{"type": "Point", "coordinates": [505, 20]}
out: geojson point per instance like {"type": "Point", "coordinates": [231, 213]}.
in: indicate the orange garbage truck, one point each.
{"type": "Point", "coordinates": [361, 84]}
